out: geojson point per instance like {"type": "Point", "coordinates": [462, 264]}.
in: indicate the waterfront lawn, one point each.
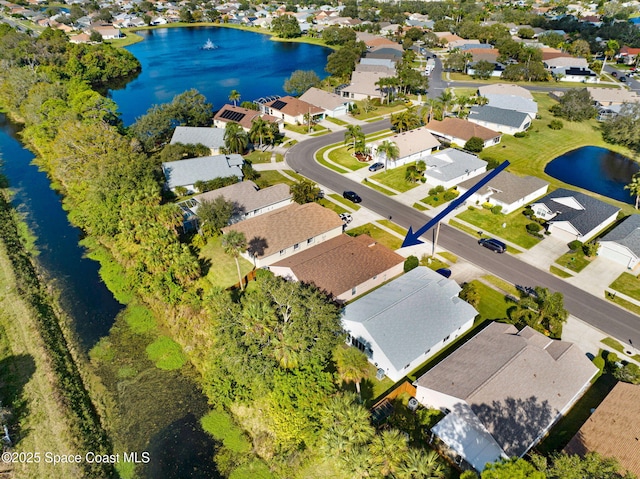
{"type": "Point", "coordinates": [574, 260]}
{"type": "Point", "coordinates": [343, 156]}
{"type": "Point", "coordinates": [514, 232]}
{"type": "Point", "coordinates": [627, 284]}
{"type": "Point", "coordinates": [394, 178]}
{"type": "Point", "coordinates": [222, 267]}
{"type": "Point", "coordinates": [381, 236]}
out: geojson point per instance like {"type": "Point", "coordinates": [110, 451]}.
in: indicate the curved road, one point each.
{"type": "Point", "coordinates": [602, 314]}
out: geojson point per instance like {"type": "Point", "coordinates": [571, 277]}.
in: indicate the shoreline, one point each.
{"type": "Point", "coordinates": [132, 38]}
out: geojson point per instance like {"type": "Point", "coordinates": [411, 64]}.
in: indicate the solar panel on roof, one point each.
{"type": "Point", "coordinates": [279, 104]}
{"type": "Point", "coordinates": [232, 115]}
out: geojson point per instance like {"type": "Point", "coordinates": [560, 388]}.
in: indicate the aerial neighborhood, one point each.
{"type": "Point", "coordinates": [423, 264]}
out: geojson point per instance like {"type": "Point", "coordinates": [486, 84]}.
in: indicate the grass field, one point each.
{"type": "Point", "coordinates": [343, 156]}
{"type": "Point", "coordinates": [514, 231]}
{"type": "Point", "coordinates": [394, 178]}
{"type": "Point", "coordinates": [627, 284]}
{"type": "Point", "coordinates": [381, 236]}
{"type": "Point", "coordinates": [493, 304]}
{"type": "Point", "coordinates": [272, 177]}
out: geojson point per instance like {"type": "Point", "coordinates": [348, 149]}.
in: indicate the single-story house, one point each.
{"type": "Point", "coordinates": [612, 96]}
{"type": "Point", "coordinates": [107, 32]}
{"type": "Point", "coordinates": [451, 167]}
{"type": "Point", "coordinates": [613, 429]}
{"type": "Point", "coordinates": [459, 131]}
{"type": "Point", "coordinates": [292, 110]}
{"type": "Point", "coordinates": [622, 244]}
{"type": "Point", "coordinates": [243, 116]}
{"type": "Point", "coordinates": [505, 89]}
{"type": "Point", "coordinates": [248, 199]}
{"type": "Point", "coordinates": [401, 324]}
{"type": "Point", "coordinates": [188, 172]}
{"type": "Point", "coordinates": [575, 74]}
{"type": "Point", "coordinates": [498, 68]}
{"type": "Point", "coordinates": [506, 189]}
{"type": "Point", "coordinates": [627, 54]}
{"type": "Point", "coordinates": [363, 85]}
{"type": "Point", "coordinates": [502, 391]}
{"type": "Point", "coordinates": [413, 145]}
{"type": "Point", "coordinates": [344, 266]}
{"type": "Point", "coordinates": [504, 121]}
{"type": "Point", "coordinates": [572, 215]}
{"type": "Point", "coordinates": [212, 138]}
{"type": "Point", "coordinates": [484, 54]}
{"type": "Point", "coordinates": [333, 105]}
{"type": "Point", "coordinates": [381, 62]}
{"type": "Point", "coordinates": [513, 102]}
{"type": "Point", "coordinates": [278, 234]}
{"type": "Point", "coordinates": [566, 61]}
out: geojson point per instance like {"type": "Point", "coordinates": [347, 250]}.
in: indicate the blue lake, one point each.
{"type": "Point", "coordinates": [595, 169]}
{"type": "Point", "coordinates": [173, 61]}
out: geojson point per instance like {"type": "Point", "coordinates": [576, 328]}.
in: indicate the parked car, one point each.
{"type": "Point", "coordinates": [493, 244]}
{"type": "Point", "coordinates": [376, 166]}
{"type": "Point", "coordinates": [623, 79]}
{"type": "Point", "coordinates": [614, 74]}
{"type": "Point", "coordinates": [352, 196]}
{"type": "Point", "coordinates": [446, 272]}
{"type": "Point", "coordinates": [346, 218]}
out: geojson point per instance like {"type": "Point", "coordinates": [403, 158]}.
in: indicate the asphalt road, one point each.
{"type": "Point", "coordinates": [600, 313]}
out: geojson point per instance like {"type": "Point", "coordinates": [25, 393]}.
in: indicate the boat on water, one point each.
{"type": "Point", "coordinates": [209, 45]}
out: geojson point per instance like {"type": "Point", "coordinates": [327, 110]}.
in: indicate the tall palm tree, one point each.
{"type": "Point", "coordinates": [260, 129]}
{"type": "Point", "coordinates": [234, 96]}
{"type": "Point", "coordinates": [353, 134]}
{"type": "Point", "coordinates": [234, 243]}
{"type": "Point", "coordinates": [390, 151]}
{"type": "Point", "coordinates": [445, 97]}
{"type": "Point", "coordinates": [235, 138]}
{"type": "Point", "coordinates": [634, 187]}
{"type": "Point", "coordinates": [352, 365]}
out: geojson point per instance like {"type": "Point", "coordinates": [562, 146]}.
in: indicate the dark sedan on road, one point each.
{"type": "Point", "coordinates": [352, 196]}
{"type": "Point", "coordinates": [493, 244]}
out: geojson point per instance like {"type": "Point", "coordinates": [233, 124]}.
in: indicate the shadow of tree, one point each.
{"type": "Point", "coordinates": [15, 373]}
{"type": "Point", "coordinates": [257, 246]}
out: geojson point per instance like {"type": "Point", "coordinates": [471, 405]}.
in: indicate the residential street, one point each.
{"type": "Point", "coordinates": [602, 314]}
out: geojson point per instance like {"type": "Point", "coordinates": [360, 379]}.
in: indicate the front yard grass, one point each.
{"type": "Point", "coordinates": [432, 262]}
{"type": "Point", "coordinates": [337, 121]}
{"type": "Point", "coordinates": [343, 157]}
{"type": "Point", "coordinates": [392, 226]}
{"type": "Point", "coordinates": [574, 260]}
{"type": "Point", "coordinates": [222, 267]}
{"type": "Point", "coordinates": [617, 346]}
{"type": "Point", "coordinates": [493, 303]}
{"type": "Point", "coordinates": [378, 188]}
{"type": "Point", "coordinates": [438, 199]}
{"type": "Point", "coordinates": [395, 179]}
{"type": "Point", "coordinates": [332, 206]}
{"type": "Point", "coordinates": [257, 156]}
{"type": "Point", "coordinates": [272, 177]}
{"type": "Point", "coordinates": [502, 284]}
{"type": "Point", "coordinates": [381, 236]}
{"type": "Point", "coordinates": [351, 206]}
{"type": "Point", "coordinates": [627, 284]}
{"type": "Point", "coordinates": [514, 232]}
{"type": "Point", "coordinates": [628, 305]}
{"type": "Point", "coordinates": [304, 129]}
{"type": "Point", "coordinates": [381, 110]}
{"type": "Point", "coordinates": [450, 257]}
{"type": "Point", "coordinates": [560, 273]}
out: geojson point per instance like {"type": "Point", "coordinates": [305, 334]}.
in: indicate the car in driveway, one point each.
{"type": "Point", "coordinates": [346, 218]}
{"type": "Point", "coordinates": [446, 272]}
{"type": "Point", "coordinates": [351, 196]}
{"type": "Point", "coordinates": [376, 166]}
{"type": "Point", "coordinates": [493, 244]}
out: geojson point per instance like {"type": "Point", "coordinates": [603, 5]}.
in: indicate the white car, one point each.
{"type": "Point", "coordinates": [346, 218]}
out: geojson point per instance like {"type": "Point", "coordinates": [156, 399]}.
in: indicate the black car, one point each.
{"type": "Point", "coordinates": [614, 74]}
{"type": "Point", "coordinates": [446, 272]}
{"type": "Point", "coordinates": [352, 196]}
{"type": "Point", "coordinates": [376, 166]}
{"type": "Point", "coordinates": [493, 244]}
{"type": "Point", "coordinates": [623, 79]}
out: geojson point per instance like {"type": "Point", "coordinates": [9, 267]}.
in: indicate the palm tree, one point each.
{"type": "Point", "coordinates": [634, 187]}
{"type": "Point", "coordinates": [353, 134]}
{"type": "Point", "coordinates": [612, 47]}
{"type": "Point", "coordinates": [234, 96]}
{"type": "Point", "coordinates": [445, 97]}
{"type": "Point", "coordinates": [260, 129]}
{"type": "Point", "coordinates": [422, 465]}
{"type": "Point", "coordinates": [388, 452]}
{"type": "Point", "coordinates": [390, 151]}
{"type": "Point", "coordinates": [352, 365]}
{"type": "Point", "coordinates": [234, 243]}
{"type": "Point", "coordinates": [235, 138]}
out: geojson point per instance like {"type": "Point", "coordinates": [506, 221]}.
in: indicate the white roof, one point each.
{"type": "Point", "coordinates": [187, 172]}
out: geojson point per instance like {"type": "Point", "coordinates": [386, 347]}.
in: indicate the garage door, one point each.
{"type": "Point", "coordinates": [614, 255]}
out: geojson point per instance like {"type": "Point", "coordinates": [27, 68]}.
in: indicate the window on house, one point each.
{"type": "Point", "coordinates": [375, 277]}
{"type": "Point", "coordinates": [427, 351]}
{"type": "Point", "coordinates": [353, 291]}
{"type": "Point", "coordinates": [310, 240]}
{"type": "Point", "coordinates": [445, 339]}
{"type": "Point", "coordinates": [407, 366]}
{"type": "Point", "coordinates": [358, 344]}
{"type": "Point", "coordinates": [296, 246]}
{"type": "Point", "coordinates": [282, 251]}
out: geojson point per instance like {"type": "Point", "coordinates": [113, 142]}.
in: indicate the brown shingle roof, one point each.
{"type": "Point", "coordinates": [243, 116]}
{"type": "Point", "coordinates": [613, 430]}
{"type": "Point", "coordinates": [284, 227]}
{"type": "Point", "coordinates": [459, 128]}
{"type": "Point", "coordinates": [341, 263]}
{"type": "Point", "coordinates": [294, 106]}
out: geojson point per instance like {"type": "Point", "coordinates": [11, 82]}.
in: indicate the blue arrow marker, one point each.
{"type": "Point", "coordinates": [414, 238]}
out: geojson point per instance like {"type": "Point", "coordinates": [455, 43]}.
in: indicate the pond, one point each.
{"type": "Point", "coordinates": [595, 169]}
{"type": "Point", "coordinates": [174, 61]}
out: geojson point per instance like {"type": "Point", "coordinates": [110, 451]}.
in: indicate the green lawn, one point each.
{"type": "Point", "coordinates": [394, 178]}
{"type": "Point", "coordinates": [559, 272]}
{"type": "Point", "coordinates": [530, 155]}
{"type": "Point", "coordinates": [379, 188]}
{"type": "Point", "coordinates": [257, 156]}
{"type": "Point", "coordinates": [337, 121]}
{"type": "Point", "coordinates": [222, 267]}
{"type": "Point", "coordinates": [627, 284]}
{"type": "Point", "coordinates": [617, 346]}
{"type": "Point", "coordinates": [574, 260]}
{"type": "Point", "coordinates": [392, 226]}
{"type": "Point", "coordinates": [569, 425]}
{"type": "Point", "coordinates": [624, 303]}
{"type": "Point", "coordinates": [432, 263]}
{"type": "Point", "coordinates": [493, 304]}
{"type": "Point", "coordinates": [420, 207]}
{"type": "Point", "coordinates": [272, 177]}
{"type": "Point", "coordinates": [332, 206]}
{"type": "Point", "coordinates": [343, 156]}
{"type": "Point", "coordinates": [350, 205]}
{"type": "Point", "coordinates": [502, 284]}
{"type": "Point", "coordinates": [438, 198]}
{"type": "Point", "coordinates": [515, 230]}
{"type": "Point", "coordinates": [450, 257]}
{"type": "Point", "coordinates": [382, 110]}
{"type": "Point", "coordinates": [381, 236]}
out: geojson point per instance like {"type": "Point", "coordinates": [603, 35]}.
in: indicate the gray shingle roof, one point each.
{"type": "Point", "coordinates": [192, 135]}
{"type": "Point", "coordinates": [411, 314]}
{"type": "Point", "coordinates": [507, 187]}
{"type": "Point", "coordinates": [513, 102]}
{"type": "Point", "coordinates": [627, 234]}
{"type": "Point", "coordinates": [592, 213]}
{"type": "Point", "coordinates": [498, 116]}
{"type": "Point", "coordinates": [515, 382]}
{"type": "Point", "coordinates": [248, 196]}
{"type": "Point", "coordinates": [187, 172]}
{"type": "Point", "coordinates": [449, 164]}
